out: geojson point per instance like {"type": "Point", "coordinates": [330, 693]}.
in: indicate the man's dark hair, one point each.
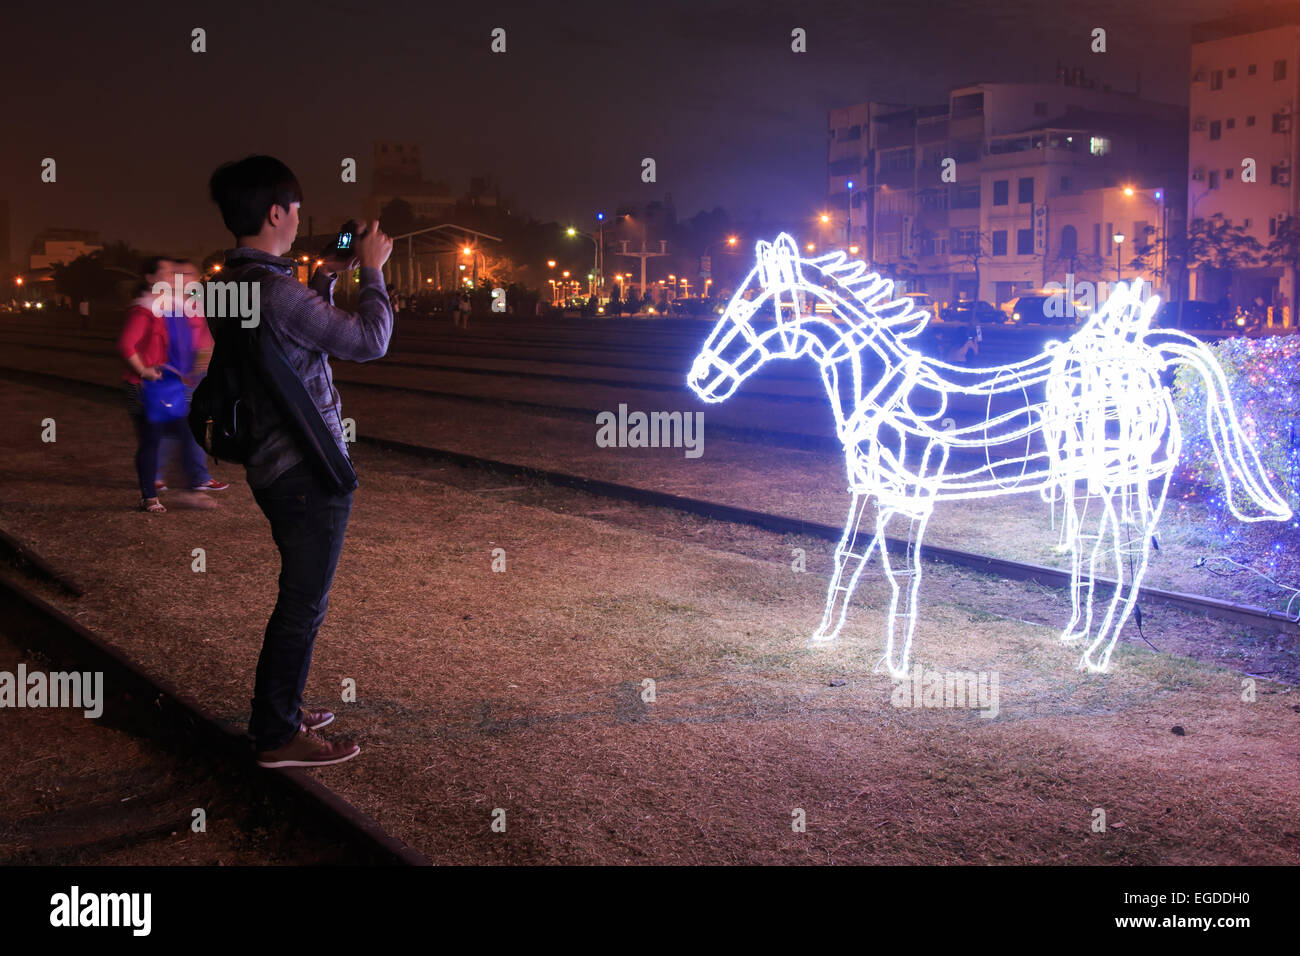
{"type": "Point", "coordinates": [245, 191]}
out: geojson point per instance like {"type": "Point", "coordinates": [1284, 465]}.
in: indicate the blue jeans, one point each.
{"type": "Point", "coordinates": [149, 441]}
{"type": "Point", "coordinates": [308, 523]}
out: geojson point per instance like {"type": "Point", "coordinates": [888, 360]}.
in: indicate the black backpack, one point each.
{"type": "Point", "coordinates": [251, 388]}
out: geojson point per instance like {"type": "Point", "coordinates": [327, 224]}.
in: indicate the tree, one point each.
{"type": "Point", "coordinates": [1284, 250]}
{"type": "Point", "coordinates": [1218, 248]}
{"type": "Point", "coordinates": [88, 277]}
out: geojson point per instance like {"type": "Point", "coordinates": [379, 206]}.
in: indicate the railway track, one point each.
{"type": "Point", "coordinates": [780, 524]}
{"type": "Point", "coordinates": [185, 758]}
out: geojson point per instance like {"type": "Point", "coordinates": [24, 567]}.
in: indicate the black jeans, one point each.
{"type": "Point", "coordinates": [308, 523]}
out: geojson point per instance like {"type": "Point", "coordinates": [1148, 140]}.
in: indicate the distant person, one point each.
{"type": "Point", "coordinates": [157, 338]}
{"type": "Point", "coordinates": [462, 311]}
{"type": "Point", "coordinates": [964, 343]}
{"type": "Point", "coordinates": [259, 198]}
{"type": "Point", "coordinates": [84, 310]}
{"type": "Point", "coordinates": [615, 306]}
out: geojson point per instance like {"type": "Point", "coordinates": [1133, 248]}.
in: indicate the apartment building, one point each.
{"type": "Point", "coordinates": [1008, 186]}
{"type": "Point", "coordinates": [1245, 88]}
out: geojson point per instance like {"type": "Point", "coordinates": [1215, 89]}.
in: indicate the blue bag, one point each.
{"type": "Point", "coordinates": [166, 399]}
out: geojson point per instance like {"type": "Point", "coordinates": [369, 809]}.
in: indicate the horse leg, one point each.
{"type": "Point", "coordinates": [1083, 593]}
{"type": "Point", "coordinates": [1111, 529]}
{"type": "Point", "coordinates": [1072, 527]}
{"type": "Point", "coordinates": [897, 654]}
{"type": "Point", "coordinates": [851, 556]}
{"type": "Point", "coordinates": [1148, 516]}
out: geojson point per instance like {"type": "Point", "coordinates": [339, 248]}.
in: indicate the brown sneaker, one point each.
{"type": "Point", "coordinates": [308, 750]}
{"type": "Point", "coordinates": [315, 719]}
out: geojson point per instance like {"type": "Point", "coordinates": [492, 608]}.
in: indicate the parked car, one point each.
{"type": "Point", "coordinates": [1048, 308]}
{"type": "Point", "coordinates": [979, 312]}
{"type": "Point", "coordinates": [922, 300]}
{"type": "Point", "coordinates": [1197, 315]}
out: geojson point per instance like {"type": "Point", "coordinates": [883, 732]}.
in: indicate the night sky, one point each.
{"type": "Point", "coordinates": [561, 121]}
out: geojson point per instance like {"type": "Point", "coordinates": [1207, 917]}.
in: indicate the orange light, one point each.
{"type": "Point", "coordinates": [467, 250]}
{"type": "Point", "coordinates": [825, 218]}
{"type": "Point", "coordinates": [853, 250]}
{"type": "Point", "coordinates": [550, 263]}
{"type": "Point", "coordinates": [19, 280]}
{"type": "Point", "coordinates": [1128, 190]}
{"type": "Point", "coordinates": [811, 247]}
{"type": "Point", "coordinates": [732, 240]}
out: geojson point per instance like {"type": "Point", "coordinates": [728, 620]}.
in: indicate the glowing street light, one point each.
{"type": "Point", "coordinates": [1119, 266]}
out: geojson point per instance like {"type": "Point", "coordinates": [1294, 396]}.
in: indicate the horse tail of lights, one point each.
{"type": "Point", "coordinates": [1234, 447]}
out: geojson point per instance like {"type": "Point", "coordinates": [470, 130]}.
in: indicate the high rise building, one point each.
{"type": "Point", "coordinates": [1245, 87]}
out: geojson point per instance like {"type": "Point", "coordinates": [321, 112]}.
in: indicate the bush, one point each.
{"type": "Point", "coordinates": [1263, 378]}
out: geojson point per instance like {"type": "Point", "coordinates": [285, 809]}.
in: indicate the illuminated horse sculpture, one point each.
{"type": "Point", "coordinates": [1105, 433]}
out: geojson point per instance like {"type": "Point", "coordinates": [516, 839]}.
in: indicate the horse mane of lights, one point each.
{"type": "Point", "coordinates": [1087, 423]}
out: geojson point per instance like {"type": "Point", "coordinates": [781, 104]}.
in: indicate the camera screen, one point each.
{"type": "Point", "coordinates": [345, 240]}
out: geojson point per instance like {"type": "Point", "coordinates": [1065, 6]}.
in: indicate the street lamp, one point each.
{"type": "Point", "coordinates": [1159, 202]}
{"type": "Point", "coordinates": [1119, 267]}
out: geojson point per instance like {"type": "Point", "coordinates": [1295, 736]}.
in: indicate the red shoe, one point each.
{"type": "Point", "coordinates": [212, 485]}
{"type": "Point", "coordinates": [315, 719]}
{"type": "Point", "coordinates": [308, 750]}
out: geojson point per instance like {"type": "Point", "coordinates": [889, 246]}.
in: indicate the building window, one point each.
{"type": "Point", "coordinates": [1001, 190]}
{"type": "Point", "coordinates": [1216, 129]}
{"type": "Point", "coordinates": [1232, 72]}
{"type": "Point", "coordinates": [1230, 123]}
{"type": "Point", "coordinates": [1281, 176]}
{"type": "Point", "coordinates": [1281, 123]}
{"type": "Point", "coordinates": [1026, 189]}
{"type": "Point", "coordinates": [1096, 238]}
{"type": "Point", "coordinates": [1110, 238]}
{"type": "Point", "coordinates": [1216, 79]}
{"type": "Point", "coordinates": [1069, 242]}
{"type": "Point", "coordinates": [1024, 242]}
{"type": "Point", "coordinates": [1227, 173]}
{"type": "Point", "coordinates": [1065, 184]}
{"type": "Point", "coordinates": [1279, 69]}
{"type": "Point", "coordinates": [1250, 70]}
{"type": "Point", "coordinates": [1098, 146]}
{"type": "Point", "coordinates": [1214, 179]}
{"type": "Point", "coordinates": [966, 196]}
{"type": "Point", "coordinates": [964, 240]}
{"type": "Point", "coordinates": [1250, 121]}
{"type": "Point", "coordinates": [1000, 242]}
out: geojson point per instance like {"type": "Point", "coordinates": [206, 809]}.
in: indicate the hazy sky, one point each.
{"type": "Point", "coordinates": [708, 88]}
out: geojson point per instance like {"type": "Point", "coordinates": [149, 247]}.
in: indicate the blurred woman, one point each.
{"type": "Point", "coordinates": [158, 334]}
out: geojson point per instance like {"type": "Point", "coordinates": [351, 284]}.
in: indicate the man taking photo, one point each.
{"type": "Point", "coordinates": [259, 199]}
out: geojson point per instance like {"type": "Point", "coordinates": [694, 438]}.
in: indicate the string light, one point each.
{"type": "Point", "coordinates": [1105, 430]}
